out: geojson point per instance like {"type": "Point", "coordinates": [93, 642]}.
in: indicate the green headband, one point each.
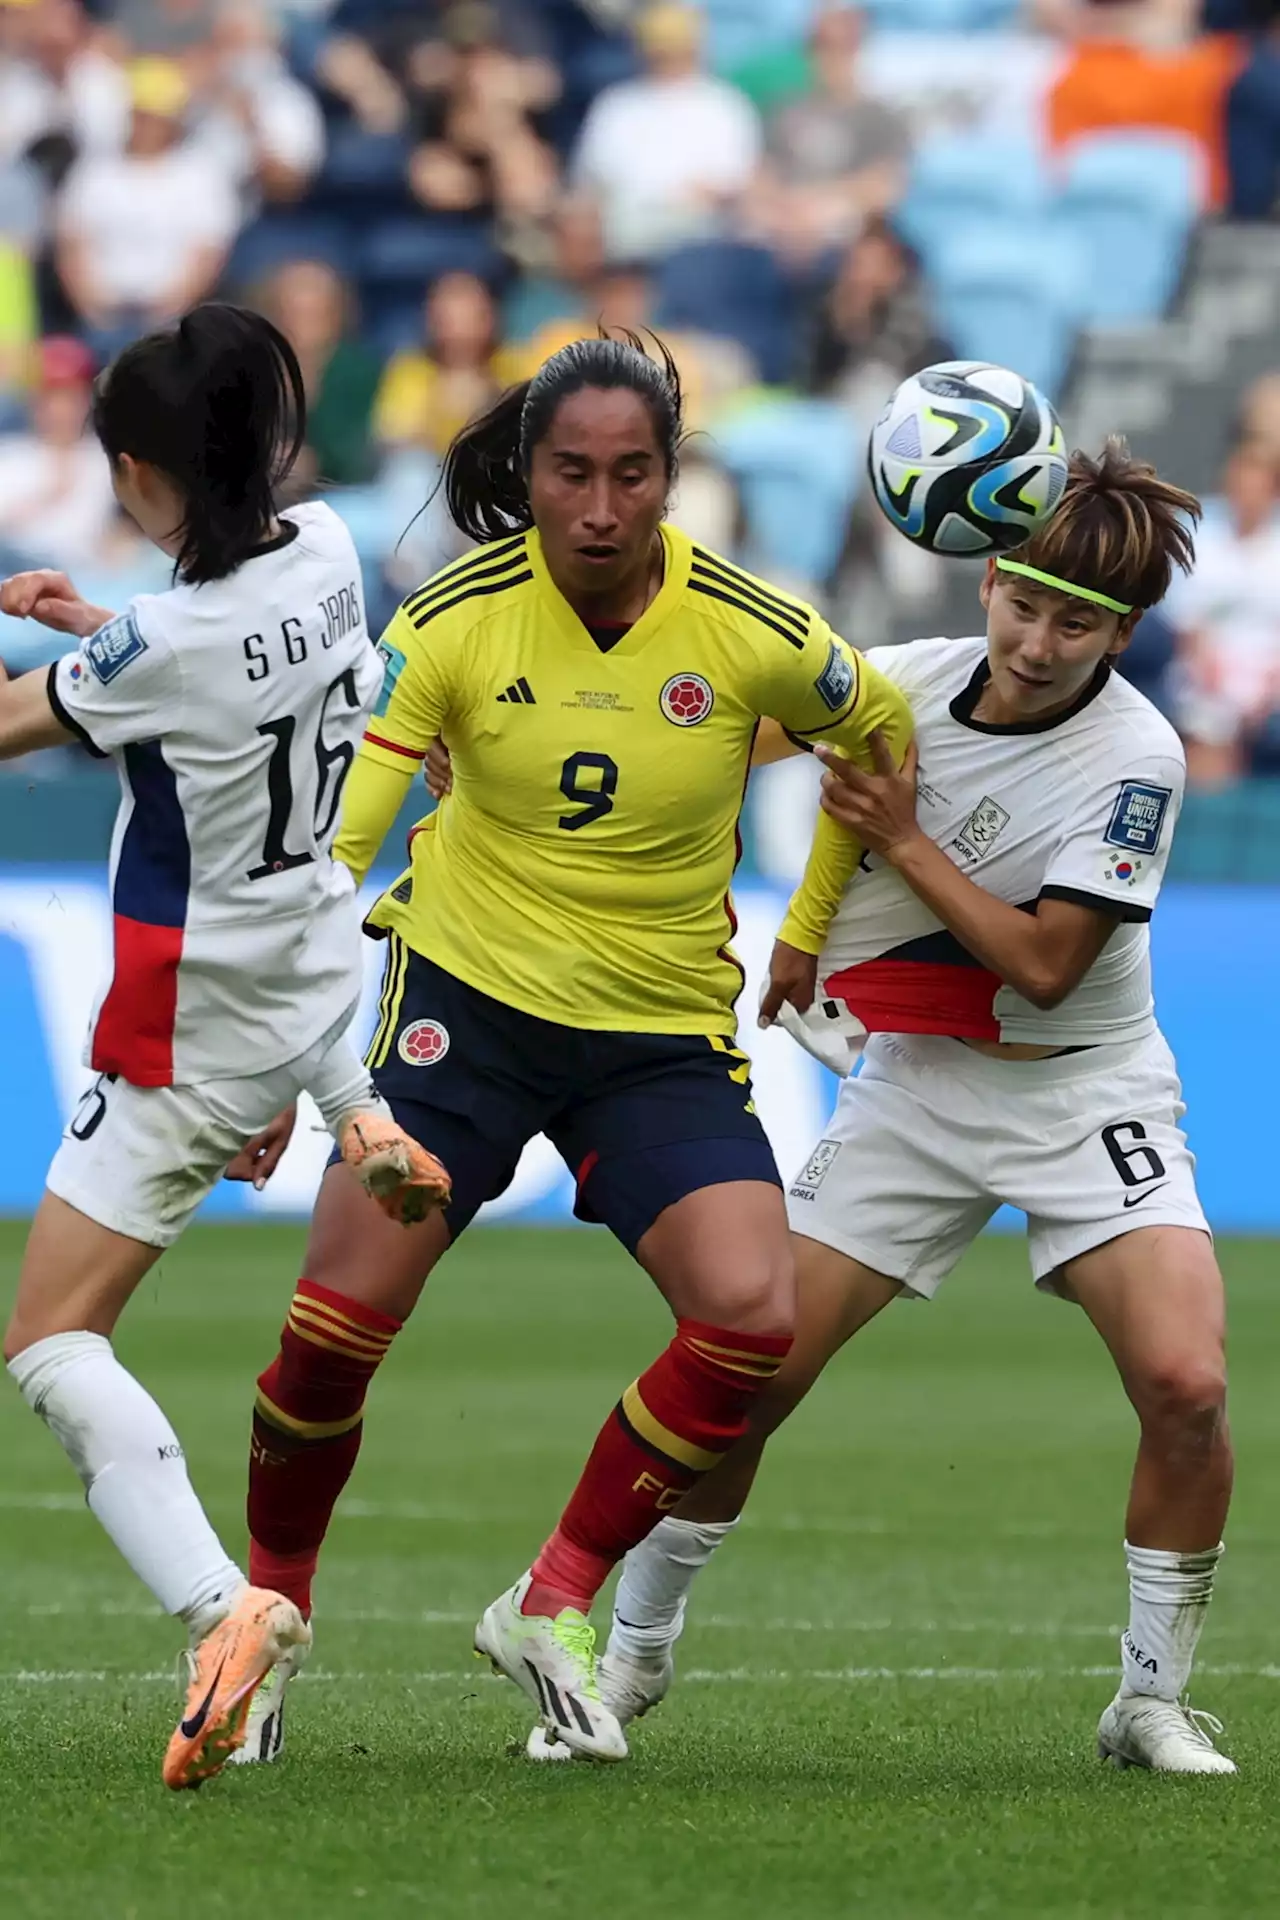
{"type": "Point", "coordinates": [1064, 586]}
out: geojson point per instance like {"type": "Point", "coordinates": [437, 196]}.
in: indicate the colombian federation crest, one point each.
{"type": "Point", "coordinates": [423, 1043]}
{"type": "Point", "coordinates": [686, 699]}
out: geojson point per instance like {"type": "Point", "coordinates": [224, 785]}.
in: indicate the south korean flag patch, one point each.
{"type": "Point", "coordinates": [1137, 817]}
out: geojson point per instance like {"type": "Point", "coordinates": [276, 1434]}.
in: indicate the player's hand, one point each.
{"type": "Point", "coordinates": [793, 976]}
{"type": "Point", "coordinates": [877, 808]}
{"type": "Point", "coordinates": [438, 771]}
{"type": "Point", "coordinates": [53, 600]}
{"type": "Point", "coordinates": [258, 1159]}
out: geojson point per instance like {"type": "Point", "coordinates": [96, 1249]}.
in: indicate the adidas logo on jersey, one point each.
{"type": "Point", "coordinates": [519, 695]}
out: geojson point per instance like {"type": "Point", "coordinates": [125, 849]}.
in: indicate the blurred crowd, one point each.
{"type": "Point", "coordinates": [809, 201]}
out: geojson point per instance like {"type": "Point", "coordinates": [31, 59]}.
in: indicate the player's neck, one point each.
{"type": "Point", "coordinates": [623, 603]}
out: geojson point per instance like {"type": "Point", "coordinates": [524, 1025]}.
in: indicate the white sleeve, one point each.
{"type": "Point", "coordinates": [1114, 853]}
{"type": "Point", "coordinates": [118, 687]}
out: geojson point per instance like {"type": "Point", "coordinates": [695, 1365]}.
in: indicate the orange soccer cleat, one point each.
{"type": "Point", "coordinates": [407, 1182]}
{"type": "Point", "coordinates": [226, 1670]}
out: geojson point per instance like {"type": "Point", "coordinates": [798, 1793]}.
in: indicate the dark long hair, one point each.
{"type": "Point", "coordinates": [486, 470]}
{"type": "Point", "coordinates": [216, 402]}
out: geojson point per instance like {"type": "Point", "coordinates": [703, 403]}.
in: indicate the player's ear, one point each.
{"type": "Point", "coordinates": [1124, 632]}
{"type": "Point", "coordinates": [988, 585]}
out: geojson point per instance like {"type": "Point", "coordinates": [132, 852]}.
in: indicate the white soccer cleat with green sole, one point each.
{"type": "Point", "coordinates": [553, 1661]}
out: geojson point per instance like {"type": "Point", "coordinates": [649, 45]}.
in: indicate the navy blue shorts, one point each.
{"type": "Point", "coordinates": [639, 1119]}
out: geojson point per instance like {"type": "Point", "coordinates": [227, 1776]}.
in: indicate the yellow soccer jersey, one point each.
{"type": "Point", "coordinates": [580, 869]}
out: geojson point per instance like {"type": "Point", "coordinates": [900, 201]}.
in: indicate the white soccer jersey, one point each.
{"type": "Point", "coordinates": [1080, 806]}
{"type": "Point", "coordinates": [233, 712]}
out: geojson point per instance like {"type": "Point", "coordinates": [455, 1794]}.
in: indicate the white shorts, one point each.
{"type": "Point", "coordinates": [141, 1159]}
{"type": "Point", "coordinates": [931, 1137]}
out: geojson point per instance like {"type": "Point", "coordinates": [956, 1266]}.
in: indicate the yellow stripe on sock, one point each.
{"type": "Point", "coordinates": [340, 1322]}
{"type": "Point", "coordinates": [639, 1416]}
{"type": "Point", "coordinates": [766, 1362]}
{"type": "Point", "coordinates": [305, 1429]}
{"type": "Point", "coordinates": [313, 1327]}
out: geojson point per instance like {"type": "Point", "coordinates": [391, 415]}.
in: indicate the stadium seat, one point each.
{"type": "Point", "coordinates": [735, 291]}
{"type": "Point", "coordinates": [960, 181]}
{"type": "Point", "coordinates": [1125, 208]}
{"type": "Point", "coordinates": [280, 235]}
{"type": "Point", "coordinates": [797, 464]}
{"type": "Point", "coordinates": [363, 168]}
{"type": "Point", "coordinates": [1008, 298]}
{"type": "Point", "coordinates": [941, 16]}
{"type": "Point", "coordinates": [737, 29]}
{"type": "Point", "coordinates": [404, 255]}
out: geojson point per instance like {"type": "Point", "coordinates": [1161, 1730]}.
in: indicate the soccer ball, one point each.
{"type": "Point", "coordinates": [967, 458]}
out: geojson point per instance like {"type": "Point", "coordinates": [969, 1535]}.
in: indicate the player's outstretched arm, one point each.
{"type": "Point", "coordinates": [27, 718]}
{"type": "Point", "coordinates": [51, 598]}
{"type": "Point", "coordinates": [1042, 955]}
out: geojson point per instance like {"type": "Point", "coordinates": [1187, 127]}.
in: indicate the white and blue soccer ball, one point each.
{"type": "Point", "coordinates": [967, 458]}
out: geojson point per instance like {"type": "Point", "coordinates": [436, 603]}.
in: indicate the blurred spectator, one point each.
{"type": "Point", "coordinates": [177, 28]}
{"type": "Point", "coordinates": [144, 234]}
{"type": "Point", "coordinates": [1253, 131]}
{"type": "Point", "coordinates": [123, 563]}
{"type": "Point", "coordinates": [264, 127]}
{"type": "Point", "coordinates": [563, 280]}
{"type": "Point", "coordinates": [479, 151]}
{"type": "Point", "coordinates": [1259, 418]}
{"type": "Point", "coordinates": [671, 153]}
{"type": "Point", "coordinates": [1227, 618]}
{"type": "Point", "coordinates": [1112, 83]}
{"type": "Point", "coordinates": [873, 326]}
{"type": "Point", "coordinates": [56, 500]}
{"type": "Point", "coordinates": [20, 210]}
{"type": "Point", "coordinates": [315, 311]}
{"type": "Point", "coordinates": [61, 97]}
{"type": "Point", "coordinates": [430, 392]}
{"type": "Point", "coordinates": [834, 157]}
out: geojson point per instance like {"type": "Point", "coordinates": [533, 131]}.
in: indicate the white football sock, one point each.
{"type": "Point", "coordinates": [1169, 1594]}
{"type": "Point", "coordinates": [134, 1473]}
{"type": "Point", "coordinates": [648, 1607]}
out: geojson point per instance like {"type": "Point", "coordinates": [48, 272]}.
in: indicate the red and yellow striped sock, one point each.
{"type": "Point", "coordinates": [307, 1426]}
{"type": "Point", "coordinates": [671, 1426]}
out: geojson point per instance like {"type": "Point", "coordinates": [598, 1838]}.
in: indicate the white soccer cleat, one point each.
{"type": "Point", "coordinates": [1166, 1735]}
{"type": "Point", "coordinates": [553, 1661]}
{"type": "Point", "coordinates": [264, 1728]}
{"type": "Point", "coordinates": [628, 1687]}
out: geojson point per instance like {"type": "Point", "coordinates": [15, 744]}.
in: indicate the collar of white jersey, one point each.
{"type": "Point", "coordinates": [967, 699]}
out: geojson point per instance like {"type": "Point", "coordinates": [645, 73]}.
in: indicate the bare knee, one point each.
{"type": "Point", "coordinates": [1182, 1402]}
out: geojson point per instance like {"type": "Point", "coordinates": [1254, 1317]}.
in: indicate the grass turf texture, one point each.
{"type": "Point", "coordinates": [890, 1691]}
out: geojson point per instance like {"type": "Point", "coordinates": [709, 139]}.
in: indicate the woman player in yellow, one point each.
{"type": "Point", "coordinates": [558, 963]}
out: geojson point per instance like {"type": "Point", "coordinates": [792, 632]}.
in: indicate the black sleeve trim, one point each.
{"type": "Point", "coordinates": [68, 720]}
{"type": "Point", "coordinates": [1127, 910]}
{"type": "Point", "coordinates": [802, 736]}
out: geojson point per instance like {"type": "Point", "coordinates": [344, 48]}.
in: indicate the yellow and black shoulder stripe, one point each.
{"type": "Point", "coordinates": [720, 580]}
{"type": "Point", "coordinates": [490, 569]}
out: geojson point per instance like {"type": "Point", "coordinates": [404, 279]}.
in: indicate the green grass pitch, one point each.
{"type": "Point", "coordinates": [889, 1694]}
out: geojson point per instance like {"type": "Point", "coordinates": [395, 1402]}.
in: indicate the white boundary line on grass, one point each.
{"type": "Point", "coordinates": [731, 1676]}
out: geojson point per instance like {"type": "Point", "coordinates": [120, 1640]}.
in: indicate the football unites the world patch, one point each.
{"type": "Point", "coordinates": [1137, 817]}
{"type": "Point", "coordinates": [392, 667]}
{"type": "Point", "coordinates": [423, 1043]}
{"type": "Point", "coordinates": [113, 647]}
{"type": "Point", "coordinates": [686, 699]}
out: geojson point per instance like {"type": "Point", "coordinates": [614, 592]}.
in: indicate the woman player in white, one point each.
{"type": "Point", "coordinates": [994, 947]}
{"type": "Point", "coordinates": [233, 706]}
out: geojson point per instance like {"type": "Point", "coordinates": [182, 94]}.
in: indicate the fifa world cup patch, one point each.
{"type": "Point", "coordinates": [1137, 817]}
{"type": "Point", "coordinates": [835, 682]}
{"type": "Point", "coordinates": [110, 650]}
{"type": "Point", "coordinates": [392, 667]}
{"type": "Point", "coordinates": [424, 1043]}
{"type": "Point", "coordinates": [686, 699]}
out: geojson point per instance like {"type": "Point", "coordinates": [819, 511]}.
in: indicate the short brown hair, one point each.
{"type": "Point", "coordinates": [1118, 528]}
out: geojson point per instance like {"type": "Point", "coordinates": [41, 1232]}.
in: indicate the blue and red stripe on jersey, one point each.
{"type": "Point", "coordinates": [928, 985]}
{"type": "Point", "coordinates": [134, 1032]}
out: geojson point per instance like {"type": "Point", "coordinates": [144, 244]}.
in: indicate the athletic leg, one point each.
{"type": "Point", "coordinates": [1156, 1297]}
{"type": "Point", "coordinates": [835, 1297]}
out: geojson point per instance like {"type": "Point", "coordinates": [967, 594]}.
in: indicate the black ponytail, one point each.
{"type": "Point", "coordinates": [486, 470]}
{"type": "Point", "coordinates": [217, 403]}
